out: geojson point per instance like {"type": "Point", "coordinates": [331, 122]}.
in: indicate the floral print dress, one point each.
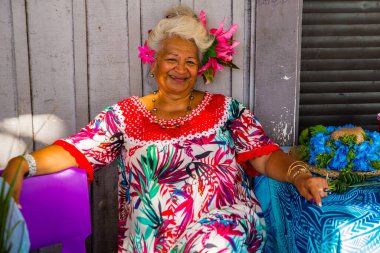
{"type": "Point", "coordinates": [181, 189]}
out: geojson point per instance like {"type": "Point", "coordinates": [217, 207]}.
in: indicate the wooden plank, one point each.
{"type": "Point", "coordinates": [20, 45]}
{"type": "Point", "coordinates": [80, 63]}
{"type": "Point", "coordinates": [108, 62]}
{"type": "Point", "coordinates": [105, 210]}
{"type": "Point", "coordinates": [277, 67]}
{"type": "Point", "coordinates": [239, 84]}
{"type": "Point", "coordinates": [109, 73]}
{"type": "Point", "coordinates": [134, 40]}
{"type": "Point", "coordinates": [216, 11]}
{"type": "Point", "coordinates": [152, 11]}
{"type": "Point", "coordinates": [52, 72]}
{"type": "Point", "coordinates": [9, 125]}
{"type": "Point", "coordinates": [252, 57]}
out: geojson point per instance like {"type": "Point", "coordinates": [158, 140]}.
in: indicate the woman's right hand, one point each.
{"type": "Point", "coordinates": [16, 169]}
{"type": "Point", "coordinates": [49, 159]}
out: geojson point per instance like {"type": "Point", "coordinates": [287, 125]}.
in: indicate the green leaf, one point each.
{"type": "Point", "coordinates": [375, 164]}
{"type": "Point", "coordinates": [348, 140]}
{"type": "Point", "coordinates": [208, 75]}
{"type": "Point", "coordinates": [304, 153]}
{"type": "Point", "coordinates": [153, 191]}
{"type": "Point", "coordinates": [323, 159]}
{"type": "Point", "coordinates": [317, 129]}
{"type": "Point", "coordinates": [304, 138]}
{"type": "Point", "coordinates": [350, 155]}
{"type": "Point", "coordinates": [228, 64]}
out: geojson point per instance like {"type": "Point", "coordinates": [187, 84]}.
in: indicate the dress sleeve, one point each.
{"type": "Point", "coordinates": [97, 144]}
{"type": "Point", "coordinates": [248, 135]}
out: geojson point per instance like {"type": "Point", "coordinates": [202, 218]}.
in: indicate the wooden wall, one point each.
{"type": "Point", "coordinates": [63, 61]}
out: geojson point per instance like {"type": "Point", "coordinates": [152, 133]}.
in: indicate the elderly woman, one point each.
{"type": "Point", "coordinates": [183, 155]}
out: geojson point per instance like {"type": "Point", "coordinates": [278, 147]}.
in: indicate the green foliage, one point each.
{"type": "Point", "coordinates": [349, 140]}
{"type": "Point", "coordinates": [304, 138]}
{"type": "Point", "coordinates": [345, 180]}
{"type": "Point", "coordinates": [376, 165]}
{"type": "Point", "coordinates": [307, 133]}
{"type": "Point", "coordinates": [350, 155]}
{"type": "Point", "coordinates": [304, 153]}
{"type": "Point", "coordinates": [209, 53]}
{"type": "Point", "coordinates": [323, 159]}
{"type": "Point", "coordinates": [317, 129]}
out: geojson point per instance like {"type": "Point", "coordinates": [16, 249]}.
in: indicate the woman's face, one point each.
{"type": "Point", "coordinates": [176, 66]}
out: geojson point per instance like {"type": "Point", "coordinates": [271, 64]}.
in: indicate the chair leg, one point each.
{"type": "Point", "coordinates": [74, 245]}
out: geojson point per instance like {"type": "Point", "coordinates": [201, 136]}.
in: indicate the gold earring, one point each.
{"type": "Point", "coordinates": [151, 75]}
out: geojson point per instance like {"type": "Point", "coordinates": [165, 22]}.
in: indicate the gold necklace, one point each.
{"type": "Point", "coordinates": [172, 123]}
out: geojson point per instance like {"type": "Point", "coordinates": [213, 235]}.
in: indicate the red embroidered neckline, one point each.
{"type": "Point", "coordinates": [153, 118]}
{"type": "Point", "coordinates": [140, 127]}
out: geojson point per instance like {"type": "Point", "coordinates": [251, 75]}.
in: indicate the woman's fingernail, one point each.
{"type": "Point", "coordinates": [19, 206]}
{"type": "Point", "coordinates": [319, 204]}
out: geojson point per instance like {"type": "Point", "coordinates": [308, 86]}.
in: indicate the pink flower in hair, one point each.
{"type": "Point", "coordinates": [220, 53]}
{"type": "Point", "coordinates": [202, 18]}
{"type": "Point", "coordinates": [224, 47]}
{"type": "Point", "coordinates": [146, 54]}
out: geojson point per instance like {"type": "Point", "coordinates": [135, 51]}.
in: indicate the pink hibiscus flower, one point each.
{"type": "Point", "coordinates": [224, 47]}
{"type": "Point", "coordinates": [146, 54]}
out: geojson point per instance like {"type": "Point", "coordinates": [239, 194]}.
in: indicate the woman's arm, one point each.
{"type": "Point", "coordinates": [50, 159]}
{"type": "Point", "coordinates": [276, 165]}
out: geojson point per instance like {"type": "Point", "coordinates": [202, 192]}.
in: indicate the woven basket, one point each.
{"type": "Point", "coordinates": [294, 153]}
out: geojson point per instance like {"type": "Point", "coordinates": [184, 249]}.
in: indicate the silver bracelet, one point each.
{"type": "Point", "coordinates": [32, 164]}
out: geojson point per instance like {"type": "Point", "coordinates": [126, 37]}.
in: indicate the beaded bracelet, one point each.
{"type": "Point", "coordinates": [31, 164]}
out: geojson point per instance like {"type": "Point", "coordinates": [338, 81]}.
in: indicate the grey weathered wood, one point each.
{"type": "Point", "coordinates": [108, 66]}
{"type": "Point", "coordinates": [252, 52]}
{"type": "Point", "coordinates": [277, 67]}
{"type": "Point", "coordinates": [105, 210]}
{"type": "Point", "coordinates": [52, 72]}
{"type": "Point", "coordinates": [135, 82]}
{"type": "Point", "coordinates": [21, 64]}
{"type": "Point", "coordinates": [8, 91]}
{"type": "Point", "coordinates": [80, 63]}
{"type": "Point", "coordinates": [239, 83]}
{"type": "Point", "coordinates": [108, 53]}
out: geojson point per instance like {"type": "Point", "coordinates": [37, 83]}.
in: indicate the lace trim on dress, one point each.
{"type": "Point", "coordinates": [182, 138]}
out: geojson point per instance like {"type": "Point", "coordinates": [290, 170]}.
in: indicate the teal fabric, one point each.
{"type": "Point", "coordinates": [19, 239]}
{"type": "Point", "coordinates": [348, 222]}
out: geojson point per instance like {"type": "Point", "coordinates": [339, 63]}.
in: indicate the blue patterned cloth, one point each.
{"type": "Point", "coordinates": [346, 223]}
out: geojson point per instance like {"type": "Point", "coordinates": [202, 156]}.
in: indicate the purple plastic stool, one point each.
{"type": "Point", "coordinates": [56, 208]}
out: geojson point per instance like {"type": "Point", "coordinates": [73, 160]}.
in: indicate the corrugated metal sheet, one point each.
{"type": "Point", "coordinates": [340, 63]}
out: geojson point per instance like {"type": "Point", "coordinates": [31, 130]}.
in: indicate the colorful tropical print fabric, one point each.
{"type": "Point", "coordinates": [181, 189]}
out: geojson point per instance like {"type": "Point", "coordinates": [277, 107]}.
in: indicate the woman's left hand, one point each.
{"type": "Point", "coordinates": [312, 188]}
